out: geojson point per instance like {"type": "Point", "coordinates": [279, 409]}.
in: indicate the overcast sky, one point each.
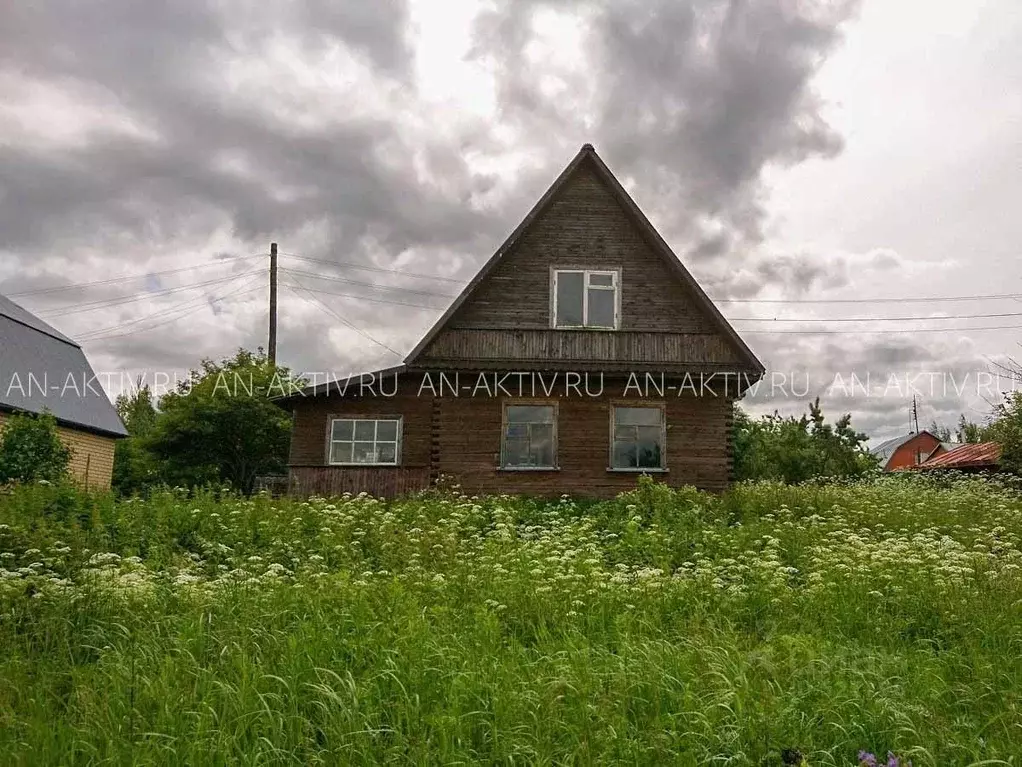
{"type": "Point", "coordinates": [786, 150]}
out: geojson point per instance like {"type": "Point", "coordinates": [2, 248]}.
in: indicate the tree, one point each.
{"type": "Point", "coordinates": [965, 431]}
{"type": "Point", "coordinates": [220, 425]}
{"type": "Point", "coordinates": [31, 450]}
{"type": "Point", "coordinates": [969, 432]}
{"type": "Point", "coordinates": [1006, 429]}
{"type": "Point", "coordinates": [796, 449]}
{"type": "Point", "coordinates": [940, 431]}
{"type": "Point", "coordinates": [136, 467]}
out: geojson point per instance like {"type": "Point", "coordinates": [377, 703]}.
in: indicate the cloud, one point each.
{"type": "Point", "coordinates": [876, 376]}
{"type": "Point", "coordinates": [774, 274]}
{"type": "Point", "coordinates": [148, 137]}
{"type": "Point", "coordinates": [695, 100]}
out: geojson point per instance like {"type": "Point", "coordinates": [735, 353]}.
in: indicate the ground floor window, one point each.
{"type": "Point", "coordinates": [638, 437]}
{"type": "Point", "coordinates": [365, 441]}
{"type": "Point", "coordinates": [529, 437]}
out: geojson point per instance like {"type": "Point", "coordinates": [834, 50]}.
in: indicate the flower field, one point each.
{"type": "Point", "coordinates": [774, 625]}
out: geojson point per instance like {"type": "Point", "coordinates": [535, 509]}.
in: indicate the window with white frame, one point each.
{"type": "Point", "coordinates": [530, 437]}
{"type": "Point", "coordinates": [638, 436]}
{"type": "Point", "coordinates": [585, 298]}
{"type": "Point", "coordinates": [365, 441]}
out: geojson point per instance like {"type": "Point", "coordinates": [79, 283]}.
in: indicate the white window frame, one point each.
{"type": "Point", "coordinates": [376, 420]}
{"type": "Point", "coordinates": [503, 435]}
{"type": "Point", "coordinates": [614, 274]}
{"type": "Point", "coordinates": [659, 406]}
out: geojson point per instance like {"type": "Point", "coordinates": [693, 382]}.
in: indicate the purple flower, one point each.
{"type": "Point", "coordinates": [892, 760]}
{"type": "Point", "coordinates": [866, 759]}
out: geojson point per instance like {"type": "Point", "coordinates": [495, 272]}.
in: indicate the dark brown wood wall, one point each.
{"type": "Point", "coordinates": [312, 417]}
{"type": "Point", "coordinates": [567, 349]}
{"type": "Point", "coordinates": [459, 437]}
{"type": "Point", "coordinates": [697, 452]}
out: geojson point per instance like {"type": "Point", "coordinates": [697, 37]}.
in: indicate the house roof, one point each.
{"type": "Point", "coordinates": [971, 456]}
{"type": "Point", "coordinates": [587, 154]}
{"type": "Point", "coordinates": [42, 369]}
{"type": "Point", "coordinates": [887, 448]}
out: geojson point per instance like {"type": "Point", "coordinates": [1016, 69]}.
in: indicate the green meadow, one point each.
{"type": "Point", "coordinates": [773, 625]}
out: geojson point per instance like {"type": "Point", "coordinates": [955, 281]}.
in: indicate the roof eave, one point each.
{"type": "Point", "coordinates": [73, 425]}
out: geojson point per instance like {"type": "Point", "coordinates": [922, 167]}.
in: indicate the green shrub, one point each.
{"type": "Point", "coordinates": [31, 450]}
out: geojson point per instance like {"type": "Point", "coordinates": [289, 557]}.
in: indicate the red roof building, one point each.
{"type": "Point", "coordinates": [981, 456]}
{"type": "Point", "coordinates": [907, 451]}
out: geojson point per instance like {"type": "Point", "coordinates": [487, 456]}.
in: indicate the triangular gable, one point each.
{"type": "Point", "coordinates": [645, 228]}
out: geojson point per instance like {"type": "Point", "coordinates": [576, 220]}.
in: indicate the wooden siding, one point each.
{"type": "Point", "coordinates": [92, 456]}
{"type": "Point", "coordinates": [696, 451]}
{"type": "Point", "coordinates": [311, 421]}
{"type": "Point", "coordinates": [460, 437]}
{"type": "Point", "coordinates": [584, 226]}
{"type": "Point", "coordinates": [332, 481]}
{"type": "Point", "coordinates": [464, 347]}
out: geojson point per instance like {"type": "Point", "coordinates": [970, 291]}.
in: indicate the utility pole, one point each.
{"type": "Point", "coordinates": [915, 415]}
{"type": "Point", "coordinates": [272, 342]}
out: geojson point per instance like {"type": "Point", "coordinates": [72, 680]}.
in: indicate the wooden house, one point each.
{"type": "Point", "coordinates": [908, 450]}
{"type": "Point", "coordinates": [41, 369]}
{"type": "Point", "coordinates": [581, 355]}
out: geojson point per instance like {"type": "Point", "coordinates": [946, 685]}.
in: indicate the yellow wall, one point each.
{"type": "Point", "coordinates": [92, 456]}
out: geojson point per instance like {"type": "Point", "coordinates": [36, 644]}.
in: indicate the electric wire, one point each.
{"type": "Point", "coordinates": [337, 316]}
{"type": "Point", "coordinates": [186, 306]}
{"type": "Point", "coordinates": [126, 278]}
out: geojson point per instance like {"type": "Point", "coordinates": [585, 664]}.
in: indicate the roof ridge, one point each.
{"type": "Point", "coordinates": [24, 317]}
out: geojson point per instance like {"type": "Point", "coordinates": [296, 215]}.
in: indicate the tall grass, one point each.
{"type": "Point", "coordinates": [663, 627]}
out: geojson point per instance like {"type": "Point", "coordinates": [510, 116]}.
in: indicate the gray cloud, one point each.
{"type": "Point", "coordinates": [693, 100]}
{"type": "Point", "coordinates": [875, 377]}
{"type": "Point", "coordinates": [168, 130]}
{"type": "Point", "coordinates": [208, 157]}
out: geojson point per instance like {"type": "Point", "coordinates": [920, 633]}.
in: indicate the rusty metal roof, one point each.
{"type": "Point", "coordinates": [980, 454]}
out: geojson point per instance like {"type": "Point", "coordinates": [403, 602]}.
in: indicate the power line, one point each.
{"type": "Point", "coordinates": [369, 298]}
{"type": "Point", "coordinates": [370, 284]}
{"type": "Point", "coordinates": [233, 294]}
{"type": "Point", "coordinates": [874, 319]}
{"type": "Point", "coordinates": [338, 316]}
{"type": "Point", "coordinates": [180, 310]}
{"type": "Point", "coordinates": [906, 300]}
{"type": "Point", "coordinates": [75, 286]}
{"type": "Point", "coordinates": [184, 305]}
{"type": "Point", "coordinates": [864, 331]}
{"type": "Point", "coordinates": [352, 265]}
{"type": "Point", "coordinates": [92, 306]}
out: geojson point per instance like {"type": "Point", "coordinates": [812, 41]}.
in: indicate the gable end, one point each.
{"type": "Point", "coordinates": [585, 220]}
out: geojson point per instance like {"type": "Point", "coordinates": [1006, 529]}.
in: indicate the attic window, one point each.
{"type": "Point", "coordinates": [584, 298]}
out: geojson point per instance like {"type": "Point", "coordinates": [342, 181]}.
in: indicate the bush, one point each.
{"type": "Point", "coordinates": [31, 450]}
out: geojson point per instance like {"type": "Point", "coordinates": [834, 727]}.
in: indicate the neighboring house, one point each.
{"type": "Point", "coordinates": [977, 457]}
{"type": "Point", "coordinates": [42, 369]}
{"type": "Point", "coordinates": [908, 450]}
{"type": "Point", "coordinates": [581, 355]}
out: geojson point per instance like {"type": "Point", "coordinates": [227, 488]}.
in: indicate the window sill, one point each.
{"type": "Point", "coordinates": [638, 471]}
{"type": "Point", "coordinates": [528, 468]}
{"type": "Point", "coordinates": [365, 465]}
{"type": "Point", "coordinates": [583, 328]}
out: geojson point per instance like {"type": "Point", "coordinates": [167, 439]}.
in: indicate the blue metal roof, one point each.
{"type": "Point", "coordinates": [42, 369]}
